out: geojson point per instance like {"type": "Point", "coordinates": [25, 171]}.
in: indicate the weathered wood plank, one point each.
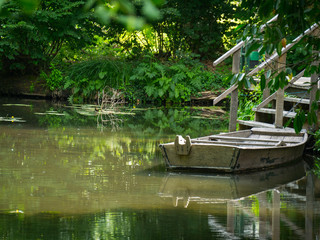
{"type": "Point", "coordinates": [239, 45]}
{"type": "Point", "coordinates": [277, 133]}
{"type": "Point", "coordinates": [297, 100]}
{"type": "Point", "coordinates": [280, 94]}
{"type": "Point", "coordinates": [236, 143]}
{"type": "Point", "coordinates": [229, 53]}
{"type": "Point", "coordinates": [286, 114]}
{"type": "Point", "coordinates": [255, 124]}
{"type": "Point", "coordinates": [234, 93]}
{"type": "Point", "coordinates": [224, 94]}
{"type": "Point", "coordinates": [313, 92]}
{"type": "Point", "coordinates": [275, 56]}
{"type": "Point", "coordinates": [261, 139]}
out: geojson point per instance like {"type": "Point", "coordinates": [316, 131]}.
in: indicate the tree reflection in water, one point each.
{"type": "Point", "coordinates": [68, 180]}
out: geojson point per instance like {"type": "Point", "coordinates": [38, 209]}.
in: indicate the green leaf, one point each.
{"type": "Point", "coordinates": [246, 30]}
{"type": "Point", "coordinates": [160, 92]}
{"type": "Point", "coordinates": [279, 48]}
{"type": "Point", "coordinates": [254, 46]}
{"type": "Point", "coordinates": [158, 2]}
{"type": "Point", "coordinates": [103, 14]}
{"type": "Point", "coordinates": [288, 71]}
{"type": "Point", "coordinates": [268, 73]}
{"type": "Point", "coordinates": [126, 6]}
{"type": "Point", "coordinates": [29, 6]}
{"type": "Point", "coordinates": [297, 125]}
{"type": "Point", "coordinates": [309, 117]}
{"type": "Point", "coordinates": [234, 79]}
{"type": "Point", "coordinates": [241, 77]}
{"type": "Point", "coordinates": [262, 82]}
{"type": "Point", "coordinates": [102, 74]}
{"type": "Point", "coordinates": [314, 117]}
{"type": "Point", "coordinates": [247, 82]}
{"type": "Point", "coordinates": [149, 90]}
{"type": "Point", "coordinates": [299, 121]}
{"type": "Point", "coordinates": [176, 92]}
{"type": "Point", "coordinates": [288, 123]}
{"type": "Point", "coordinates": [276, 83]}
{"type": "Point", "coordinates": [150, 10]}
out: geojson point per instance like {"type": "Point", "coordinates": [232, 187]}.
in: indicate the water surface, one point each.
{"type": "Point", "coordinates": [66, 174]}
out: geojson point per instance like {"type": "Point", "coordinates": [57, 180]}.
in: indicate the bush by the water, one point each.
{"type": "Point", "coordinates": [148, 80]}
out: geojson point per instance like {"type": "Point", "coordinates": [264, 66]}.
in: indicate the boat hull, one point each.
{"type": "Point", "coordinates": [231, 158]}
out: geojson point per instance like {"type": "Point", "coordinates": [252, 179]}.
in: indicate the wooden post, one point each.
{"type": "Point", "coordinates": [230, 217]}
{"type": "Point", "coordinates": [263, 215]}
{"type": "Point", "coordinates": [234, 93]}
{"type": "Point", "coordinates": [309, 207]}
{"type": "Point", "coordinates": [280, 95]}
{"type": "Point", "coordinates": [313, 92]}
{"type": "Point", "coordinates": [266, 90]}
{"type": "Point", "coordinates": [276, 215]}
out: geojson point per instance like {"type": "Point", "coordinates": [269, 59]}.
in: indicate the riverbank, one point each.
{"type": "Point", "coordinates": [28, 86]}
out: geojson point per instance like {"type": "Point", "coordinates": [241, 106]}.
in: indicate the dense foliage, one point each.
{"type": "Point", "coordinates": [186, 26]}
{"type": "Point", "coordinates": [146, 81]}
{"type": "Point", "coordinates": [29, 41]}
{"type": "Point", "coordinates": [294, 17]}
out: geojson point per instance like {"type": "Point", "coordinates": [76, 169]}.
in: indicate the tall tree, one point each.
{"type": "Point", "coordinates": [197, 25]}
{"type": "Point", "coordinates": [30, 40]}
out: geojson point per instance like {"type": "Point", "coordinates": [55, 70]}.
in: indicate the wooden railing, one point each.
{"type": "Point", "coordinates": [279, 95]}
{"type": "Point", "coordinates": [239, 45]}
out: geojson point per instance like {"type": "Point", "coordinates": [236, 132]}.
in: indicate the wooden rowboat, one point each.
{"type": "Point", "coordinates": [253, 149]}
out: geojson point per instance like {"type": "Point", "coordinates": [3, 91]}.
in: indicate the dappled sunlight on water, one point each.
{"type": "Point", "coordinates": [61, 177]}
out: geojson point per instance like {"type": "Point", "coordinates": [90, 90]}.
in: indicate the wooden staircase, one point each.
{"type": "Point", "coordinates": [275, 109]}
{"type": "Point", "coordinates": [265, 112]}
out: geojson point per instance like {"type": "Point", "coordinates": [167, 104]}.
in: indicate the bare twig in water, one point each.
{"type": "Point", "coordinates": [109, 101]}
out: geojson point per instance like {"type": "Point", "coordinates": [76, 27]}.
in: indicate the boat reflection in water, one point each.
{"type": "Point", "coordinates": [255, 195]}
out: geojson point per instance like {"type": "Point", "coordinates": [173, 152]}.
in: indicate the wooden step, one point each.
{"type": "Point", "coordinates": [255, 124]}
{"type": "Point", "coordinates": [286, 114]}
{"type": "Point", "coordinates": [297, 100]}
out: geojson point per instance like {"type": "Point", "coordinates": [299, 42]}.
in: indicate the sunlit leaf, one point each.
{"type": "Point", "coordinates": [103, 14]}
{"type": "Point", "coordinates": [132, 22]}
{"type": "Point", "coordinates": [150, 10]}
{"type": "Point", "coordinates": [279, 48]}
{"type": "Point", "coordinates": [2, 2]}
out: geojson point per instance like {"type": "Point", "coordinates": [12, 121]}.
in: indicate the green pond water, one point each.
{"type": "Point", "coordinates": [70, 173]}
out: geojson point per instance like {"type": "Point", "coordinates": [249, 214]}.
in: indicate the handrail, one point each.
{"type": "Point", "coordinates": [229, 53]}
{"type": "Point", "coordinates": [240, 44]}
{"type": "Point", "coordinates": [274, 57]}
{"type": "Point", "coordinates": [274, 95]}
{"type": "Point", "coordinates": [224, 94]}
